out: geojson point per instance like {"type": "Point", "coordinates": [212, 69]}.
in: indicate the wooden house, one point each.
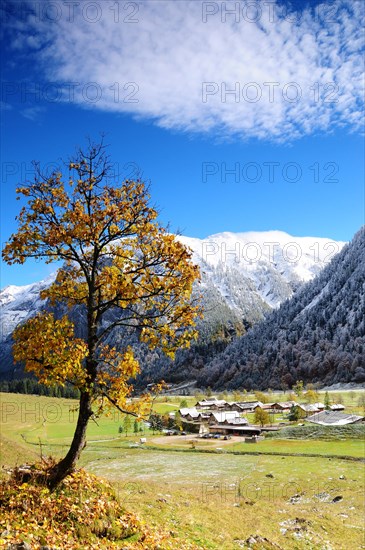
{"type": "Point", "coordinates": [245, 406]}
{"type": "Point", "coordinates": [211, 404]}
{"type": "Point", "coordinates": [282, 406]}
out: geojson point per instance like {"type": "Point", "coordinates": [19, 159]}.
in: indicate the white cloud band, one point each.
{"type": "Point", "coordinates": [249, 69]}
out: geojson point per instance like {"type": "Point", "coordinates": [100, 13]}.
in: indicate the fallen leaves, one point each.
{"type": "Point", "coordinates": [83, 513]}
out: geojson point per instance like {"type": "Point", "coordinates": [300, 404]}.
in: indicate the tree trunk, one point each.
{"type": "Point", "coordinates": [67, 465]}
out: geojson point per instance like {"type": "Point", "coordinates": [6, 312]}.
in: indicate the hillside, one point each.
{"type": "Point", "coordinates": [317, 336]}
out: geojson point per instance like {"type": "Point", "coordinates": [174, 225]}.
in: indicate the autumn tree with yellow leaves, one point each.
{"type": "Point", "coordinates": [117, 259]}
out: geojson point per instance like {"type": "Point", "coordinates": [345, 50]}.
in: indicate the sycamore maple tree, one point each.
{"type": "Point", "coordinates": [119, 265]}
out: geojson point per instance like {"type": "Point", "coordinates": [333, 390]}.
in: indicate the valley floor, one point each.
{"type": "Point", "coordinates": [215, 499]}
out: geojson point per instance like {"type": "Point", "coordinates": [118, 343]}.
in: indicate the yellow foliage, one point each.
{"type": "Point", "coordinates": [50, 350]}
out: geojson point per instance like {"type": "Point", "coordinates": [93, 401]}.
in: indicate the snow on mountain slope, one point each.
{"type": "Point", "coordinates": [246, 274]}
{"type": "Point", "coordinates": [269, 264]}
{"type": "Point", "coordinates": [318, 336]}
{"type": "Point", "coordinates": [18, 303]}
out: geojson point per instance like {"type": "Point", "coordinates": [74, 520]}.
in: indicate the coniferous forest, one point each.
{"type": "Point", "coordinates": [317, 336]}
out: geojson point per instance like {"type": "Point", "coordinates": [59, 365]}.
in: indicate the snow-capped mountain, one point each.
{"type": "Point", "coordinates": [18, 303]}
{"type": "Point", "coordinates": [256, 271]}
{"type": "Point", "coordinates": [243, 277]}
{"type": "Point", "coordinates": [318, 336]}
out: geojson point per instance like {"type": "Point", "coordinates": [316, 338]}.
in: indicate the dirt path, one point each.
{"type": "Point", "coordinates": [187, 440]}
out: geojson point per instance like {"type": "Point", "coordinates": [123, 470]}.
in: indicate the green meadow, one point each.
{"type": "Point", "coordinates": [217, 499]}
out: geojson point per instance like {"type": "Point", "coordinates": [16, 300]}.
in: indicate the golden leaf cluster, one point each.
{"type": "Point", "coordinates": [50, 350]}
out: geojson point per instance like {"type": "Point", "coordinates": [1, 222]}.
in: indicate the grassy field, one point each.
{"type": "Point", "coordinates": [347, 448]}
{"type": "Point", "coordinates": [355, 448]}
{"type": "Point", "coordinates": [219, 501]}
{"type": "Point", "coordinates": [216, 500]}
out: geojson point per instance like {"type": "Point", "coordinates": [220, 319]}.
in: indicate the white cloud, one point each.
{"type": "Point", "coordinates": [306, 72]}
{"type": "Point", "coordinates": [32, 113]}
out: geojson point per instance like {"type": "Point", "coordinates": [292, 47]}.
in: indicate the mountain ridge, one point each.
{"type": "Point", "coordinates": [244, 276]}
{"type": "Point", "coordinates": [317, 336]}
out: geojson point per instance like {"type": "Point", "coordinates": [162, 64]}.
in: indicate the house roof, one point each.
{"type": "Point", "coordinates": [285, 404]}
{"type": "Point", "coordinates": [337, 407]}
{"type": "Point", "coordinates": [210, 402]}
{"type": "Point", "coordinates": [248, 404]}
{"type": "Point", "coordinates": [309, 407]}
{"type": "Point", "coordinates": [193, 412]}
{"type": "Point", "coordinates": [333, 418]}
{"type": "Point", "coordinates": [223, 416]}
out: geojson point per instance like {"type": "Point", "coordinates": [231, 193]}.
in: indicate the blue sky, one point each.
{"type": "Point", "coordinates": [243, 121]}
